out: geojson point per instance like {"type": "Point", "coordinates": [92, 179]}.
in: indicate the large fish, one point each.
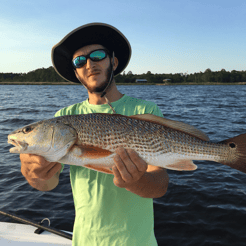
{"type": "Point", "coordinates": [90, 140]}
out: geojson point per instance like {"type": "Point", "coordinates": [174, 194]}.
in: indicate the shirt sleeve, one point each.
{"type": "Point", "coordinates": [156, 111]}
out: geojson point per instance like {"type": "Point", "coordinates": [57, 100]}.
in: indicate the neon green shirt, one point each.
{"type": "Point", "coordinates": [107, 215]}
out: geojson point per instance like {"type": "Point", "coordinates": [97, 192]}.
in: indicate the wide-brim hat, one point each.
{"type": "Point", "coordinates": [92, 33]}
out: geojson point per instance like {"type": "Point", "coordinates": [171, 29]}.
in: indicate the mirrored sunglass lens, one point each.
{"type": "Point", "coordinates": [79, 61]}
{"type": "Point", "coordinates": [97, 55]}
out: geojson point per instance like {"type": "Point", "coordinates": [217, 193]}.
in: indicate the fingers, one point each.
{"type": "Point", "coordinates": [29, 158]}
{"type": "Point", "coordinates": [124, 165]}
{"type": "Point", "coordinates": [44, 173]}
{"type": "Point", "coordinates": [137, 160]}
{"type": "Point", "coordinates": [53, 170]}
{"type": "Point", "coordinates": [118, 181]}
{"type": "Point", "coordinates": [131, 159]}
{"type": "Point", "coordinates": [36, 167]}
{"type": "Point", "coordinates": [129, 167]}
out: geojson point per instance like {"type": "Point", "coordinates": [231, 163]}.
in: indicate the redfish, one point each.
{"type": "Point", "coordinates": [90, 140]}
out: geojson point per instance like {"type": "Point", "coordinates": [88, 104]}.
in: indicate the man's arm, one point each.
{"type": "Point", "coordinates": [134, 174]}
{"type": "Point", "coordinates": [39, 173]}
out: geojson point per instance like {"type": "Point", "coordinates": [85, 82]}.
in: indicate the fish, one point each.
{"type": "Point", "coordinates": [90, 140]}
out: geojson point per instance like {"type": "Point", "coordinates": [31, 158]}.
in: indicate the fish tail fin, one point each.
{"type": "Point", "coordinates": [237, 153]}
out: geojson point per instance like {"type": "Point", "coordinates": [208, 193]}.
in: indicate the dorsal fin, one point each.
{"type": "Point", "coordinates": [176, 125]}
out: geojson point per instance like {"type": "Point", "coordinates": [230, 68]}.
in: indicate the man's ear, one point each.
{"type": "Point", "coordinates": [116, 62]}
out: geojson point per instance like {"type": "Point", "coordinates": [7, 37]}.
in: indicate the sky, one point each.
{"type": "Point", "coordinates": [176, 36]}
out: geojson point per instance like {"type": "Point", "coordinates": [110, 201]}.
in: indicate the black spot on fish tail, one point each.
{"type": "Point", "coordinates": [232, 145]}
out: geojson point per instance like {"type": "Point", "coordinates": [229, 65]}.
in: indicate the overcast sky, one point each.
{"type": "Point", "coordinates": [175, 36]}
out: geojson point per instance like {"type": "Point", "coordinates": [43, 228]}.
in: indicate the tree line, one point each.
{"type": "Point", "coordinates": [50, 75]}
{"type": "Point", "coordinates": [39, 75]}
{"type": "Point", "coordinates": [222, 76]}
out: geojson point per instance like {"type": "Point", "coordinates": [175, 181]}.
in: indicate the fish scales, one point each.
{"type": "Point", "coordinates": [107, 132]}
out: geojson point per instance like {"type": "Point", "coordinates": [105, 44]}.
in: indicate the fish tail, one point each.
{"type": "Point", "coordinates": [237, 152]}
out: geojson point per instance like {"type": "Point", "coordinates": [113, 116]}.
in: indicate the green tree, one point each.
{"type": "Point", "coordinates": [207, 76]}
{"type": "Point", "coordinates": [224, 75]}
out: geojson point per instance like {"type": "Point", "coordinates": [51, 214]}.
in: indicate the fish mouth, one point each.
{"type": "Point", "coordinates": [19, 145]}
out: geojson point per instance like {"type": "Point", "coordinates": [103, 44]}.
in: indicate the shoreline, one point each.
{"type": "Point", "coordinates": [159, 84]}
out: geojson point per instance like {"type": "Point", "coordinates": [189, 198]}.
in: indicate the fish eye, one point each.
{"type": "Point", "coordinates": [27, 129]}
{"type": "Point", "coordinates": [232, 145]}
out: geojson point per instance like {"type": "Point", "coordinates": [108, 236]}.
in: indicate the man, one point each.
{"type": "Point", "coordinates": [110, 209]}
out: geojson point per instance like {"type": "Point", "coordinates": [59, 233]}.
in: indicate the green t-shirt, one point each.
{"type": "Point", "coordinates": [106, 215]}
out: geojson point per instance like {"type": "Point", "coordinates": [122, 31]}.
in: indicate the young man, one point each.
{"type": "Point", "coordinates": [110, 209]}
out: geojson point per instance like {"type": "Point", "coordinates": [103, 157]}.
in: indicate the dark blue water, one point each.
{"type": "Point", "coordinates": [204, 207]}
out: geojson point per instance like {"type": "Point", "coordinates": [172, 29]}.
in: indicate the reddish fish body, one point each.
{"type": "Point", "coordinates": [91, 140]}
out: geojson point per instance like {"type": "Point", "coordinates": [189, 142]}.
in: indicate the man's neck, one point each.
{"type": "Point", "coordinates": [112, 95]}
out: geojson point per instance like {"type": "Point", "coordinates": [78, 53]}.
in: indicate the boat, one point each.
{"type": "Point", "coordinates": [31, 233]}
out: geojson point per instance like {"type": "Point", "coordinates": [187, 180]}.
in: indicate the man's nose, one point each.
{"type": "Point", "coordinates": [90, 63]}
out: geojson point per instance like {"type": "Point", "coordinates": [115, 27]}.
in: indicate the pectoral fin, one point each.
{"type": "Point", "coordinates": [93, 152]}
{"type": "Point", "coordinates": [91, 157]}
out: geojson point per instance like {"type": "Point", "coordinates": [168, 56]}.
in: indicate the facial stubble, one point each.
{"type": "Point", "coordinates": [100, 88]}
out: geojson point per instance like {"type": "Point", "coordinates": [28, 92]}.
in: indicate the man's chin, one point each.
{"type": "Point", "coordinates": [97, 89]}
{"type": "Point", "coordinates": [97, 84]}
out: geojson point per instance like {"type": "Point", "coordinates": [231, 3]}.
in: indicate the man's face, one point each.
{"type": "Point", "coordinates": [94, 75]}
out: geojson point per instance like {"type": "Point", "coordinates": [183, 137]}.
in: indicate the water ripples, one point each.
{"type": "Point", "coordinates": [204, 207]}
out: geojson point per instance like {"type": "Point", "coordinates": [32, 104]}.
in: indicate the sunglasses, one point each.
{"type": "Point", "coordinates": [95, 55]}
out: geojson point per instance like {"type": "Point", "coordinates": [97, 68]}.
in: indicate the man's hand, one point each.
{"type": "Point", "coordinates": [129, 167]}
{"type": "Point", "coordinates": [135, 175]}
{"type": "Point", "coordinates": [39, 173]}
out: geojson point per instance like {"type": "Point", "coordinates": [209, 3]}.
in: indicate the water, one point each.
{"type": "Point", "coordinates": [204, 207]}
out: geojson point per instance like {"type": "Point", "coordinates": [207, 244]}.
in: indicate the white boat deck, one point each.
{"type": "Point", "coordinates": [21, 234]}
